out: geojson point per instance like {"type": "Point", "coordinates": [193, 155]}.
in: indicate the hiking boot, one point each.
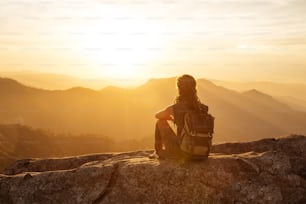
{"type": "Point", "coordinates": [153, 156]}
{"type": "Point", "coordinates": [162, 154]}
{"type": "Point", "coordinates": [158, 155]}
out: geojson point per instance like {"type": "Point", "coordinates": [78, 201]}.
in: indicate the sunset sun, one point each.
{"type": "Point", "coordinates": [122, 47]}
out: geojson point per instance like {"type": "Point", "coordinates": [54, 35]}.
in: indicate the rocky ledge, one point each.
{"type": "Point", "coordinates": [263, 171]}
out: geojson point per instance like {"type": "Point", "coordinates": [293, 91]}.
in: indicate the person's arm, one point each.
{"type": "Point", "coordinates": [165, 114]}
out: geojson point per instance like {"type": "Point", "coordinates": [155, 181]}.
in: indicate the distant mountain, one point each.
{"type": "Point", "coordinates": [53, 81]}
{"type": "Point", "coordinates": [255, 93]}
{"type": "Point", "coordinates": [294, 103]}
{"type": "Point", "coordinates": [128, 113]}
{"type": "Point", "coordinates": [297, 90]}
{"type": "Point", "coordinates": [10, 86]}
{"type": "Point", "coordinates": [266, 100]}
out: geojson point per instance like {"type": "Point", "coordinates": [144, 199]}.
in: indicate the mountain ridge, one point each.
{"type": "Point", "coordinates": [52, 81]}
{"type": "Point", "coordinates": [82, 110]}
{"type": "Point", "coordinates": [297, 90]}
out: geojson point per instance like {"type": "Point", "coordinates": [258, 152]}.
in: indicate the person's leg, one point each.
{"type": "Point", "coordinates": [158, 140]}
{"type": "Point", "coordinates": [166, 137]}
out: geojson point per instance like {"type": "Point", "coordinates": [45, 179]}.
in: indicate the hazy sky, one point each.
{"type": "Point", "coordinates": [221, 39]}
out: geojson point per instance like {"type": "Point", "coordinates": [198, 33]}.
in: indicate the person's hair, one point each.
{"type": "Point", "coordinates": [186, 85]}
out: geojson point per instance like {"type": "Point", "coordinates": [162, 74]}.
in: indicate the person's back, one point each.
{"type": "Point", "coordinates": [167, 143]}
{"type": "Point", "coordinates": [179, 111]}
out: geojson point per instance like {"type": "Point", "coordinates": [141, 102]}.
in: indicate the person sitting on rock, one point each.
{"type": "Point", "coordinates": [167, 139]}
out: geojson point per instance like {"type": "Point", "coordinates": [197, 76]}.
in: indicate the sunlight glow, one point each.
{"type": "Point", "coordinates": [121, 48]}
{"type": "Point", "coordinates": [127, 40]}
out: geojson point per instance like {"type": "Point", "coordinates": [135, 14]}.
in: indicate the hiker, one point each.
{"type": "Point", "coordinates": [168, 141]}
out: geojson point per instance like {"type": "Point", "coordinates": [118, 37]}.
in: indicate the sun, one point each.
{"type": "Point", "coordinates": [121, 48]}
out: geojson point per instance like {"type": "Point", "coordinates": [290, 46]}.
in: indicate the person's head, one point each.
{"type": "Point", "coordinates": [186, 85]}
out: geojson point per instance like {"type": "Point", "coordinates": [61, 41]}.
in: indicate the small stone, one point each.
{"type": "Point", "coordinates": [27, 176]}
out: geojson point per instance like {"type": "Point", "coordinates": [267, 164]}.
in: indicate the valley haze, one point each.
{"type": "Point", "coordinates": [239, 116]}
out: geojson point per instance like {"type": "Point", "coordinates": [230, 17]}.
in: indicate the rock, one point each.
{"type": "Point", "coordinates": [264, 171]}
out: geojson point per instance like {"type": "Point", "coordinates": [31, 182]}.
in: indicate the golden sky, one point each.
{"type": "Point", "coordinates": [136, 39]}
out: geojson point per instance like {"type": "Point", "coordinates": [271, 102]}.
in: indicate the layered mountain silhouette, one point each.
{"type": "Point", "coordinates": [296, 90]}
{"type": "Point", "coordinates": [53, 81]}
{"type": "Point", "coordinates": [128, 113]}
{"type": "Point", "coordinates": [294, 102]}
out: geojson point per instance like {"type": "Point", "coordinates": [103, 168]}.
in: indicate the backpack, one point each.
{"type": "Point", "coordinates": [196, 135]}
